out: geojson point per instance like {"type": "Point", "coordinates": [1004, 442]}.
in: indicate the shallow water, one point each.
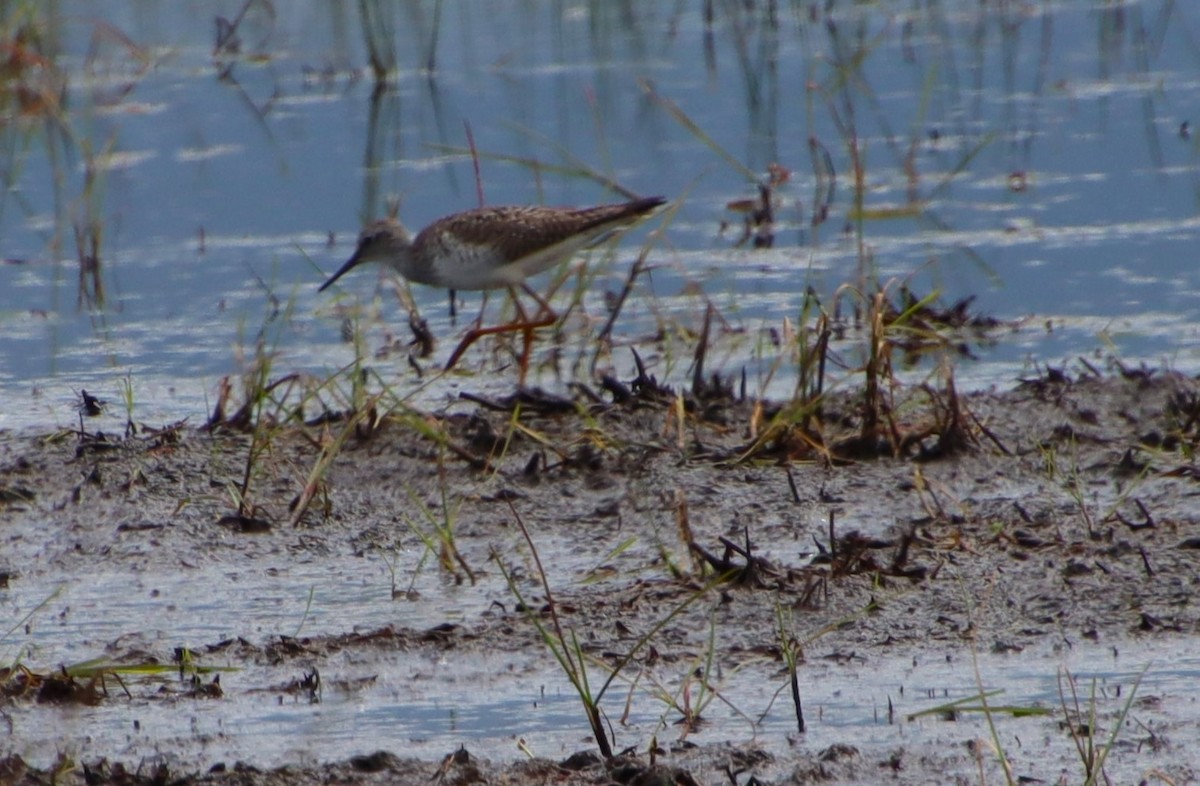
{"type": "Point", "coordinates": [196, 589]}
{"type": "Point", "coordinates": [1052, 174]}
{"type": "Point", "coordinates": [427, 703]}
{"type": "Point", "coordinates": [1036, 157]}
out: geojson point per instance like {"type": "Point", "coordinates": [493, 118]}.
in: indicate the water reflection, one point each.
{"type": "Point", "coordinates": [170, 174]}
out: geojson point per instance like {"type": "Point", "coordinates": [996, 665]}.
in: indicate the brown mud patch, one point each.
{"type": "Point", "coordinates": [1060, 513]}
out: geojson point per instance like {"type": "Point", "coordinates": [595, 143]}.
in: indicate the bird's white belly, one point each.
{"type": "Point", "coordinates": [482, 267]}
{"type": "Point", "coordinates": [475, 268]}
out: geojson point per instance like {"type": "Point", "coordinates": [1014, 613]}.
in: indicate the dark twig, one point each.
{"type": "Point", "coordinates": [792, 483]}
{"type": "Point", "coordinates": [795, 679]}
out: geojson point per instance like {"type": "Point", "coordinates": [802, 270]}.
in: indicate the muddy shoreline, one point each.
{"type": "Point", "coordinates": [1058, 515]}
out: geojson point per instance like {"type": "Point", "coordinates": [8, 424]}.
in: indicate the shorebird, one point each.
{"type": "Point", "coordinates": [493, 248]}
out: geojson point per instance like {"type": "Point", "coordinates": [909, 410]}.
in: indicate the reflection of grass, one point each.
{"type": "Point", "coordinates": [379, 27]}
{"type": "Point", "coordinates": [88, 228]}
{"type": "Point", "coordinates": [379, 35]}
{"type": "Point", "coordinates": [34, 93]}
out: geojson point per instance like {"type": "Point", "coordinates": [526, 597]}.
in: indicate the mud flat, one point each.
{"type": "Point", "coordinates": [964, 583]}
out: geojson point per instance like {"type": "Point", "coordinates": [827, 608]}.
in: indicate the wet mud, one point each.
{"type": "Point", "coordinates": [681, 536]}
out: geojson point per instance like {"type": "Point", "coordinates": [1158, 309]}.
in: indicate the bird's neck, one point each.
{"type": "Point", "coordinates": [403, 260]}
{"type": "Point", "coordinates": [412, 261]}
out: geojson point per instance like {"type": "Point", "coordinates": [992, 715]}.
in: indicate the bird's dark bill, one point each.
{"type": "Point", "coordinates": [351, 263]}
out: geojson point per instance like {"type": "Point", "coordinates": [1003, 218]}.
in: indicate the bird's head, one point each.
{"type": "Point", "coordinates": [384, 240]}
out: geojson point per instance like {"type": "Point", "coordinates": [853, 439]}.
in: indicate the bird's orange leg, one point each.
{"type": "Point", "coordinates": [545, 317]}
